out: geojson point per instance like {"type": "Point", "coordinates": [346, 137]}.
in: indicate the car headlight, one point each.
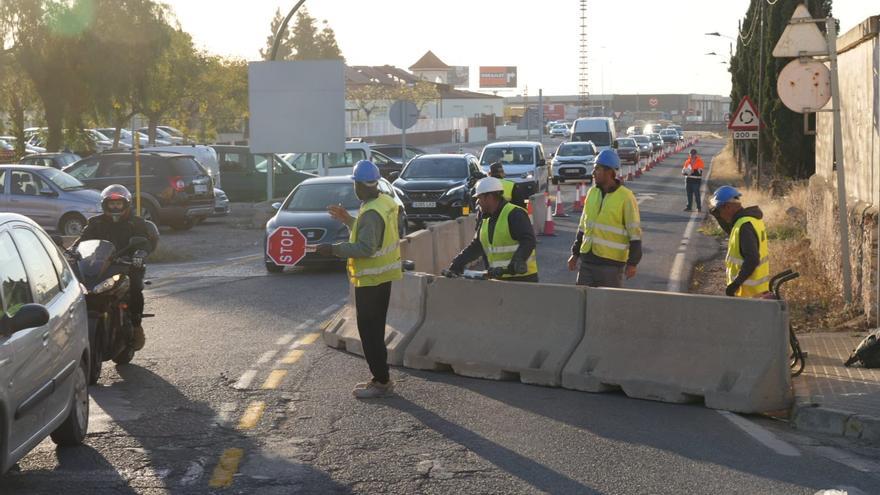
{"type": "Point", "coordinates": [529, 175]}
{"type": "Point", "coordinates": [106, 284]}
{"type": "Point", "coordinates": [400, 193]}
{"type": "Point", "coordinates": [455, 190]}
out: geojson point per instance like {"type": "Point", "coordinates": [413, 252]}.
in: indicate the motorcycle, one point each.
{"type": "Point", "coordinates": [104, 273]}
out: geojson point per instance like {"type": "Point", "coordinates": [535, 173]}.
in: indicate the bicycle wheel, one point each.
{"type": "Point", "coordinates": [797, 361]}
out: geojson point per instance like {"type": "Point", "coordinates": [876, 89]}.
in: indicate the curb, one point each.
{"type": "Point", "coordinates": [812, 417]}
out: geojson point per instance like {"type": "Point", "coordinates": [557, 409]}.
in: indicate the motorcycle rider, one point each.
{"type": "Point", "coordinates": [118, 225]}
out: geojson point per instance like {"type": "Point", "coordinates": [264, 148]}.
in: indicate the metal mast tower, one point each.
{"type": "Point", "coordinates": [583, 73]}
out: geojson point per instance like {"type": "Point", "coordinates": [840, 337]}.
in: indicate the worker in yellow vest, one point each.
{"type": "Point", "coordinates": [609, 238]}
{"type": "Point", "coordinates": [497, 170]}
{"type": "Point", "coordinates": [748, 253]}
{"type": "Point", "coordinates": [373, 252]}
{"type": "Point", "coordinates": [504, 236]}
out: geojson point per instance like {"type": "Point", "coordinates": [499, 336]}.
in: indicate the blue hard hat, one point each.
{"type": "Point", "coordinates": [365, 171]}
{"type": "Point", "coordinates": [608, 158]}
{"type": "Point", "coordinates": [724, 194]}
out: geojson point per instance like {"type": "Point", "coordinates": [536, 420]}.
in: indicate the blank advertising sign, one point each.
{"type": "Point", "coordinates": [297, 106]}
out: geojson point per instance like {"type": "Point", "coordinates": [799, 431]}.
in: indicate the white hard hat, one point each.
{"type": "Point", "coordinates": [488, 185]}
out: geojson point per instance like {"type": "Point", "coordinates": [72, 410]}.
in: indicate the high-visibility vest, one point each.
{"type": "Point", "coordinates": [500, 250]}
{"type": "Point", "coordinates": [609, 222]}
{"type": "Point", "coordinates": [759, 281]}
{"type": "Point", "coordinates": [507, 193]}
{"type": "Point", "coordinates": [384, 265]}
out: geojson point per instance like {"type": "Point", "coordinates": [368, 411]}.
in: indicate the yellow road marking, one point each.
{"type": "Point", "coordinates": [274, 379]}
{"type": "Point", "coordinates": [309, 338]}
{"type": "Point", "coordinates": [292, 357]}
{"type": "Point", "coordinates": [252, 415]}
{"type": "Point", "coordinates": [226, 468]}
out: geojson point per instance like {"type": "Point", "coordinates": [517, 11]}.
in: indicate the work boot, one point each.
{"type": "Point", "coordinates": [138, 339]}
{"type": "Point", "coordinates": [374, 390]}
{"type": "Point", "coordinates": [362, 385]}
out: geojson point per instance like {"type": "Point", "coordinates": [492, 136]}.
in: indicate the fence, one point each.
{"type": "Point", "coordinates": [385, 128]}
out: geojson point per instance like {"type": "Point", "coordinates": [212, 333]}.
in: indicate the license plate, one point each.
{"type": "Point", "coordinates": [571, 171]}
{"type": "Point", "coordinates": [424, 204]}
{"type": "Point", "coordinates": [201, 188]}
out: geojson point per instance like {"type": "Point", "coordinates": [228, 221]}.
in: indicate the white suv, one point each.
{"type": "Point", "coordinates": [324, 164]}
{"type": "Point", "coordinates": [523, 161]}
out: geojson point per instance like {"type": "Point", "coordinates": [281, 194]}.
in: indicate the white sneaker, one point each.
{"type": "Point", "coordinates": [374, 390]}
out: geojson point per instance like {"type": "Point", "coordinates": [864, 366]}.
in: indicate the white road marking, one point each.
{"type": "Point", "coordinates": [245, 381]}
{"type": "Point", "coordinates": [224, 416]}
{"type": "Point", "coordinates": [304, 325]}
{"type": "Point", "coordinates": [267, 356]}
{"type": "Point", "coordinates": [762, 435]}
{"type": "Point", "coordinates": [284, 339]}
{"type": "Point", "coordinates": [677, 276]}
{"type": "Point", "coordinates": [328, 310]}
{"type": "Point", "coordinates": [848, 459]}
{"type": "Point", "coordinates": [640, 197]}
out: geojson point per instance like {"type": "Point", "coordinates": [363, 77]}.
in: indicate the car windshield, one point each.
{"type": "Point", "coordinates": [584, 149]}
{"type": "Point", "coordinates": [626, 143]}
{"type": "Point", "coordinates": [317, 197]}
{"type": "Point", "coordinates": [187, 166]}
{"type": "Point", "coordinates": [667, 132]}
{"type": "Point", "coordinates": [64, 181]}
{"type": "Point", "coordinates": [516, 155]}
{"type": "Point", "coordinates": [436, 168]}
{"type": "Point", "coordinates": [642, 139]}
{"type": "Point", "coordinates": [598, 138]}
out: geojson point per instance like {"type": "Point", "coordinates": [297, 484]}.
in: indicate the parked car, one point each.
{"type": "Point", "coordinates": [393, 151]}
{"type": "Point", "coordinates": [126, 137]}
{"type": "Point", "coordinates": [523, 161]}
{"type": "Point", "coordinates": [574, 161]}
{"type": "Point", "coordinates": [386, 164]}
{"type": "Point", "coordinates": [7, 151]}
{"type": "Point", "coordinates": [324, 164]}
{"type": "Point", "coordinates": [656, 141]}
{"type": "Point", "coordinates": [173, 132]}
{"type": "Point", "coordinates": [163, 135]}
{"type": "Point", "coordinates": [244, 174]}
{"type": "Point", "coordinates": [86, 142]}
{"type": "Point", "coordinates": [53, 160]}
{"type": "Point", "coordinates": [646, 147]}
{"type": "Point", "coordinates": [11, 140]}
{"type": "Point", "coordinates": [51, 198]}
{"type": "Point", "coordinates": [221, 203]}
{"type": "Point", "coordinates": [44, 343]}
{"type": "Point", "coordinates": [560, 130]}
{"type": "Point", "coordinates": [175, 189]}
{"type": "Point", "coordinates": [437, 186]}
{"type": "Point", "coordinates": [205, 155]}
{"type": "Point", "coordinates": [306, 208]}
{"type": "Point", "coordinates": [669, 136]}
{"type": "Point", "coordinates": [627, 150]}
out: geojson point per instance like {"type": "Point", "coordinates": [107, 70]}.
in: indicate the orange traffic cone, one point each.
{"type": "Point", "coordinates": [549, 226]}
{"type": "Point", "coordinates": [578, 199]}
{"type": "Point", "coordinates": [560, 208]}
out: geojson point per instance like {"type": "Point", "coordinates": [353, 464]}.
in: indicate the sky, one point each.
{"type": "Point", "coordinates": [635, 46]}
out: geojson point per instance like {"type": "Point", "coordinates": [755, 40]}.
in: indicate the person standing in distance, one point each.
{"type": "Point", "coordinates": [692, 170]}
{"type": "Point", "coordinates": [373, 252]}
{"type": "Point", "coordinates": [609, 238]}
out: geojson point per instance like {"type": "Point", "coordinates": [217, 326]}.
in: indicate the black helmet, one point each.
{"type": "Point", "coordinates": [116, 192]}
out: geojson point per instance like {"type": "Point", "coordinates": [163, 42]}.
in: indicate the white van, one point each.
{"type": "Point", "coordinates": [599, 130]}
{"type": "Point", "coordinates": [324, 164]}
{"type": "Point", "coordinates": [205, 155]}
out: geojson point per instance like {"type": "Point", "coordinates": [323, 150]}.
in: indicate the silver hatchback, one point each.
{"type": "Point", "coordinates": [52, 198]}
{"type": "Point", "coordinates": [44, 343]}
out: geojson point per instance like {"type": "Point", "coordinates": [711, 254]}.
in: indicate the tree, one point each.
{"type": "Point", "coordinates": [327, 47]}
{"type": "Point", "coordinates": [285, 50]}
{"type": "Point", "coordinates": [304, 41]}
{"type": "Point", "coordinates": [368, 97]}
{"type": "Point", "coordinates": [420, 93]}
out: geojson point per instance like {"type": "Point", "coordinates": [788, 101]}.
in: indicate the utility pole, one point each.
{"type": "Point", "coordinates": [760, 91]}
{"type": "Point", "coordinates": [583, 71]}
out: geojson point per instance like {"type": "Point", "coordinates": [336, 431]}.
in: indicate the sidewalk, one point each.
{"type": "Point", "coordinates": [833, 399]}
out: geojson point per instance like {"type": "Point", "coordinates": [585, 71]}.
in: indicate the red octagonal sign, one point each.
{"type": "Point", "coordinates": [286, 246]}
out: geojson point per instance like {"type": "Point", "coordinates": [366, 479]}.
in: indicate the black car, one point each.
{"type": "Point", "coordinates": [627, 150]}
{"type": "Point", "coordinates": [646, 147]}
{"type": "Point", "coordinates": [54, 160]}
{"type": "Point", "coordinates": [437, 187]}
{"type": "Point", "coordinates": [175, 189]}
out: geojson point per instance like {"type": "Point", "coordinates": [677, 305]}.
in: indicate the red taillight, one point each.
{"type": "Point", "coordinates": [177, 184]}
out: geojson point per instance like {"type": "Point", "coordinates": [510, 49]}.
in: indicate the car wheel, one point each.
{"type": "Point", "coordinates": [555, 180]}
{"type": "Point", "coordinates": [150, 213]}
{"type": "Point", "coordinates": [97, 358]}
{"type": "Point", "coordinates": [72, 224]}
{"type": "Point", "coordinates": [273, 268]}
{"type": "Point", "coordinates": [73, 430]}
{"type": "Point", "coordinates": [125, 356]}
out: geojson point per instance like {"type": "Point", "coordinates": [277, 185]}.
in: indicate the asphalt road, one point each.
{"type": "Point", "coordinates": [234, 393]}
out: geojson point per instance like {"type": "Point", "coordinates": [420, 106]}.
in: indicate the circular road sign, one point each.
{"type": "Point", "coordinates": [286, 246]}
{"type": "Point", "coordinates": [403, 114]}
{"type": "Point", "coordinates": [804, 85]}
{"type": "Point", "coordinates": [653, 102]}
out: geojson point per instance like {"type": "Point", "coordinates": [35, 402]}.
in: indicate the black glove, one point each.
{"type": "Point", "coordinates": [496, 272]}
{"type": "Point", "coordinates": [731, 290]}
{"type": "Point", "coordinates": [452, 272]}
{"type": "Point", "coordinates": [137, 259]}
{"type": "Point", "coordinates": [517, 267]}
{"type": "Point", "coordinates": [324, 249]}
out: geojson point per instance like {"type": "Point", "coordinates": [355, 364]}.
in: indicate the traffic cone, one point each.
{"type": "Point", "coordinates": [629, 173]}
{"type": "Point", "coordinates": [549, 226]}
{"type": "Point", "coordinates": [560, 208]}
{"type": "Point", "coordinates": [639, 170]}
{"type": "Point", "coordinates": [578, 199]}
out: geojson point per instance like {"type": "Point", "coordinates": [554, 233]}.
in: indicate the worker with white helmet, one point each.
{"type": "Point", "coordinates": [504, 236]}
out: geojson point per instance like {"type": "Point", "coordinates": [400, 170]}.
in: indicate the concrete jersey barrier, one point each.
{"type": "Point", "coordinates": [730, 353]}
{"type": "Point", "coordinates": [498, 330]}
{"type": "Point", "coordinates": [419, 248]}
{"type": "Point", "coordinates": [447, 242]}
{"type": "Point", "coordinates": [406, 311]}
{"type": "Point", "coordinates": [467, 227]}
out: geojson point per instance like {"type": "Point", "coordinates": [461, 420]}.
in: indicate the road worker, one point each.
{"type": "Point", "coordinates": [747, 261]}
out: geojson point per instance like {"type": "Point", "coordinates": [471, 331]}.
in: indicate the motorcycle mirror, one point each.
{"type": "Point", "coordinates": [139, 244]}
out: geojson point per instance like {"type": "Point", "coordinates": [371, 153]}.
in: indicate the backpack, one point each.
{"type": "Point", "coordinates": [867, 352]}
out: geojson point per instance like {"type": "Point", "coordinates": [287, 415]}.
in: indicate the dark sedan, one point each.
{"type": "Point", "coordinates": [306, 208]}
{"type": "Point", "coordinates": [646, 147]}
{"type": "Point", "coordinates": [437, 187]}
{"type": "Point", "coordinates": [657, 141]}
{"type": "Point", "coordinates": [54, 160]}
{"type": "Point", "coordinates": [627, 150]}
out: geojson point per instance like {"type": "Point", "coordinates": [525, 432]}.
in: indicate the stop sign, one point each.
{"type": "Point", "coordinates": [286, 246]}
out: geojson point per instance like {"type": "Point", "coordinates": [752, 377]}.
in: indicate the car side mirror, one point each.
{"type": "Point", "coordinates": [27, 316]}
{"type": "Point", "coordinates": [276, 206]}
{"type": "Point", "coordinates": [614, 145]}
{"type": "Point", "coordinates": [49, 194]}
{"type": "Point", "coordinates": [542, 162]}
{"type": "Point", "coordinates": [393, 176]}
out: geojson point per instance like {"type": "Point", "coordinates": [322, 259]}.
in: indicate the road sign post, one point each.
{"type": "Point", "coordinates": [286, 246]}
{"type": "Point", "coordinates": [746, 122]}
{"type": "Point", "coordinates": [403, 114]}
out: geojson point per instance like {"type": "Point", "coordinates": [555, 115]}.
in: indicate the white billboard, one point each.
{"type": "Point", "coordinates": [297, 106]}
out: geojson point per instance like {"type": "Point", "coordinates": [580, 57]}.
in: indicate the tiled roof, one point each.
{"type": "Point", "coordinates": [429, 61]}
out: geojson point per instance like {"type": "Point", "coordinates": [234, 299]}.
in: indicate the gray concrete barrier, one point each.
{"type": "Point", "coordinates": [419, 248]}
{"type": "Point", "coordinates": [490, 329]}
{"type": "Point", "coordinates": [730, 353]}
{"type": "Point", "coordinates": [539, 212]}
{"type": "Point", "coordinates": [406, 311]}
{"type": "Point", "coordinates": [447, 242]}
{"type": "Point", "coordinates": [467, 227]}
